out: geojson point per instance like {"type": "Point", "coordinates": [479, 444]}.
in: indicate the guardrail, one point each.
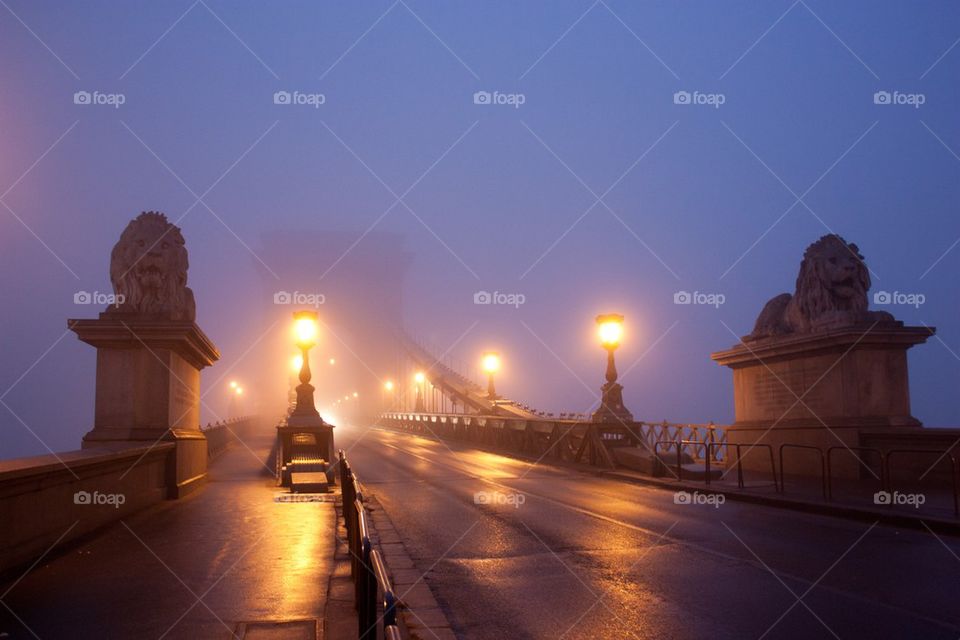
{"type": "Point", "coordinates": [366, 565]}
{"type": "Point", "coordinates": [222, 433]}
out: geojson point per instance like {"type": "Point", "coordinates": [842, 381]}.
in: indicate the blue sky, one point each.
{"type": "Point", "coordinates": [598, 193]}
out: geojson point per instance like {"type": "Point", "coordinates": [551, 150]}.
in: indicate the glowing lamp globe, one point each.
{"type": "Point", "coordinates": [305, 328]}
{"type": "Point", "coordinates": [491, 362]}
{"type": "Point", "coordinates": [610, 329]}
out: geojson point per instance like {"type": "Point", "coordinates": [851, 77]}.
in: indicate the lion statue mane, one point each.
{"type": "Point", "coordinates": [148, 269]}
{"type": "Point", "coordinates": [831, 292]}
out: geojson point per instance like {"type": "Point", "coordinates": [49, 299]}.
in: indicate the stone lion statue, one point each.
{"type": "Point", "coordinates": [831, 292]}
{"type": "Point", "coordinates": [148, 269]}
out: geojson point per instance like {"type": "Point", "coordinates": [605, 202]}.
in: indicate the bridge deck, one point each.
{"type": "Point", "coordinates": [194, 568]}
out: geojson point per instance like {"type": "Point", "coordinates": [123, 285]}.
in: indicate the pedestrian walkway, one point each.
{"type": "Point", "coordinates": [227, 561]}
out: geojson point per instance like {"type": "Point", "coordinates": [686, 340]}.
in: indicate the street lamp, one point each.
{"type": "Point", "coordinates": [387, 392]}
{"type": "Point", "coordinates": [305, 331]}
{"type": "Point", "coordinates": [419, 378]}
{"type": "Point", "coordinates": [491, 364]}
{"type": "Point", "coordinates": [610, 331]}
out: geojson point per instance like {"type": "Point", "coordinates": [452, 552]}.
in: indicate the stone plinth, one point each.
{"type": "Point", "coordinates": [849, 379]}
{"type": "Point", "coordinates": [148, 388]}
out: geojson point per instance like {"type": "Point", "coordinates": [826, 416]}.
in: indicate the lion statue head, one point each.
{"type": "Point", "coordinates": [148, 269]}
{"type": "Point", "coordinates": [832, 278]}
{"type": "Point", "coordinates": [831, 292]}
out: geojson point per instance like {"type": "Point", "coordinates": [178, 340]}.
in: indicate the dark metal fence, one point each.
{"type": "Point", "coordinates": [375, 600]}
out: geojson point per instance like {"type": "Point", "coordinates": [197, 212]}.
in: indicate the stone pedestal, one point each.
{"type": "Point", "coordinates": [304, 436]}
{"type": "Point", "coordinates": [148, 389]}
{"type": "Point", "coordinates": [849, 379]}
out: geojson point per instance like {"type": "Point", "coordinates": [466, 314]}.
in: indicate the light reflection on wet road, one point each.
{"type": "Point", "coordinates": [523, 551]}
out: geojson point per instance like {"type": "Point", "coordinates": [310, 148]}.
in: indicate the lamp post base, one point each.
{"type": "Point", "coordinates": [611, 405]}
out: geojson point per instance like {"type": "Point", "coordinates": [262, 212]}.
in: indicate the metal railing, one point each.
{"type": "Point", "coordinates": [366, 565]}
{"type": "Point", "coordinates": [222, 433]}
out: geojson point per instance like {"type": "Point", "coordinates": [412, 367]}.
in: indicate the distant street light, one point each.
{"type": "Point", "coordinates": [355, 394]}
{"type": "Point", "coordinates": [491, 364]}
{"type": "Point", "coordinates": [610, 331]}
{"type": "Point", "coordinates": [305, 331]}
{"type": "Point", "coordinates": [233, 384]}
{"type": "Point", "coordinates": [333, 361]}
{"type": "Point", "coordinates": [296, 363]}
{"type": "Point", "coordinates": [387, 391]}
{"type": "Point", "coordinates": [419, 378]}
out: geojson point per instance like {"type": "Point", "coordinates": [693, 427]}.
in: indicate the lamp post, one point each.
{"type": "Point", "coordinates": [305, 328]}
{"type": "Point", "coordinates": [419, 378]}
{"type": "Point", "coordinates": [386, 398]}
{"type": "Point", "coordinates": [491, 364]}
{"type": "Point", "coordinates": [610, 330]}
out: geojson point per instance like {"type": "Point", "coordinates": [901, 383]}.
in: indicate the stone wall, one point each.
{"type": "Point", "coordinates": [44, 499]}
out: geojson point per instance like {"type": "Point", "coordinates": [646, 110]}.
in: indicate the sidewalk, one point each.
{"type": "Point", "coordinates": [228, 561]}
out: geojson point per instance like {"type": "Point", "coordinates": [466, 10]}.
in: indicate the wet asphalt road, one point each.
{"type": "Point", "coordinates": [584, 557]}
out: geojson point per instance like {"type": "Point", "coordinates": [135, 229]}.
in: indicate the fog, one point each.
{"type": "Point", "coordinates": [400, 194]}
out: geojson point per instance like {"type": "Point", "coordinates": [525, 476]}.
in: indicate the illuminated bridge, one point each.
{"type": "Point", "coordinates": [453, 511]}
